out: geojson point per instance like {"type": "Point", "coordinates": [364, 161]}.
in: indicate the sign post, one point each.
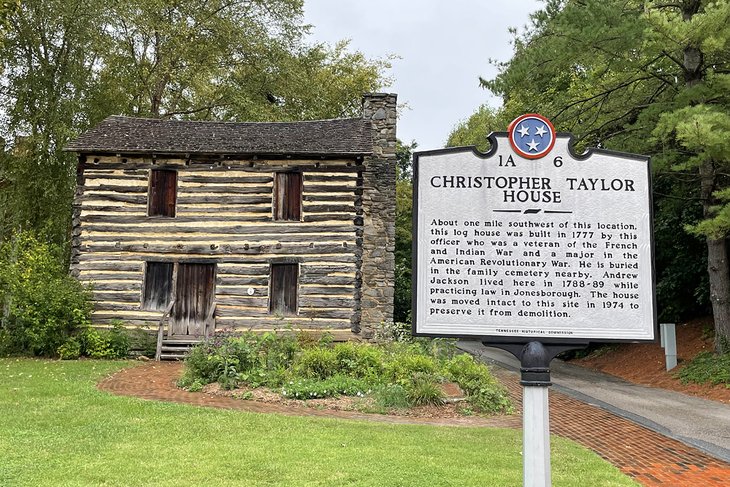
{"type": "Point", "coordinates": [536, 250]}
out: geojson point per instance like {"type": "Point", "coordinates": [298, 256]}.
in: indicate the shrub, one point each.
{"type": "Point", "coordinates": [203, 363]}
{"type": "Point", "coordinates": [317, 363]}
{"type": "Point", "coordinates": [423, 390]}
{"type": "Point", "coordinates": [142, 341]}
{"type": "Point", "coordinates": [359, 360]}
{"type": "Point", "coordinates": [43, 305]}
{"type": "Point", "coordinates": [404, 363]}
{"type": "Point", "coordinates": [391, 396]}
{"type": "Point", "coordinates": [707, 367]}
{"type": "Point", "coordinates": [71, 350]}
{"type": "Point", "coordinates": [105, 344]}
{"type": "Point", "coordinates": [483, 391]}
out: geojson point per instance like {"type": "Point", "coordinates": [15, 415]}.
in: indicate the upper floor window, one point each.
{"type": "Point", "coordinates": [288, 196]}
{"type": "Point", "coordinates": [162, 195]}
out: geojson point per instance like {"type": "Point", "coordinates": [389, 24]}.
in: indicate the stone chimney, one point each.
{"type": "Point", "coordinates": [378, 203]}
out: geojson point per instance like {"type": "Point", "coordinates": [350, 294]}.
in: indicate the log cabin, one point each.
{"type": "Point", "coordinates": [193, 228]}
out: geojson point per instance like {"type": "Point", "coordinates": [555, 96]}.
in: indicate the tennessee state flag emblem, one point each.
{"type": "Point", "coordinates": [532, 136]}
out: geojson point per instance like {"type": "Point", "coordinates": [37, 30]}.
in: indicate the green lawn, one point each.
{"type": "Point", "coordinates": [56, 429]}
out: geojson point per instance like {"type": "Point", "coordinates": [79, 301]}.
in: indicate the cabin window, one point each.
{"type": "Point", "coordinates": [162, 194]}
{"type": "Point", "coordinates": [284, 280]}
{"type": "Point", "coordinates": [288, 196]}
{"type": "Point", "coordinates": [157, 285]}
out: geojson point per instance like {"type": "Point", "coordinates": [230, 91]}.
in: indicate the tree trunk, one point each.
{"type": "Point", "coordinates": [717, 257]}
{"type": "Point", "coordinates": [719, 270]}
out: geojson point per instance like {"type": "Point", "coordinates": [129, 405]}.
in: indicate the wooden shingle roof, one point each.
{"type": "Point", "coordinates": [129, 135]}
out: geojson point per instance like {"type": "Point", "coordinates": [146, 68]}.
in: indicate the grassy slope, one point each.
{"type": "Point", "coordinates": [56, 429]}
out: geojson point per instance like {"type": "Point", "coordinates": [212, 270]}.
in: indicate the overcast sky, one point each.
{"type": "Point", "coordinates": [444, 46]}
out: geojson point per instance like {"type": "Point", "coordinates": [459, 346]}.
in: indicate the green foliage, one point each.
{"type": "Point", "coordinates": [405, 363]}
{"type": "Point", "coordinates": [308, 388]}
{"type": "Point", "coordinates": [707, 368]}
{"type": "Point", "coordinates": [142, 341]}
{"type": "Point", "coordinates": [424, 390]}
{"type": "Point", "coordinates": [647, 77]}
{"type": "Point", "coordinates": [483, 391]}
{"type": "Point", "coordinates": [105, 344]}
{"type": "Point", "coordinates": [71, 350]}
{"type": "Point", "coordinates": [388, 396]}
{"type": "Point", "coordinates": [317, 363]}
{"type": "Point", "coordinates": [395, 374]}
{"type": "Point", "coordinates": [359, 361]}
{"type": "Point", "coordinates": [476, 128]}
{"type": "Point", "coordinates": [403, 231]}
{"type": "Point", "coordinates": [41, 305]}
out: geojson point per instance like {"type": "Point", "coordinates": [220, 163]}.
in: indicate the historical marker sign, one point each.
{"type": "Point", "coordinates": [532, 242]}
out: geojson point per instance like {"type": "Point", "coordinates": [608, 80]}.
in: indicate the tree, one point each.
{"type": "Point", "coordinates": [642, 76]}
{"type": "Point", "coordinates": [67, 64]}
{"type": "Point", "coordinates": [403, 231]}
{"type": "Point", "coordinates": [476, 128]}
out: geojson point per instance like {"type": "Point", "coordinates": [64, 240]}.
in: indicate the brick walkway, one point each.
{"type": "Point", "coordinates": [650, 458]}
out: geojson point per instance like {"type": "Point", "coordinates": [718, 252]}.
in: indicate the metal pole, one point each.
{"type": "Point", "coordinates": [535, 437]}
{"type": "Point", "coordinates": [535, 363]}
{"type": "Point", "coordinates": [535, 360]}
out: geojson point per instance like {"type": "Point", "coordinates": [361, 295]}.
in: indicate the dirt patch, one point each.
{"type": "Point", "coordinates": [455, 406]}
{"type": "Point", "coordinates": [644, 363]}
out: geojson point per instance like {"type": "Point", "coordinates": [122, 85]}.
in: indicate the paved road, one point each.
{"type": "Point", "coordinates": [697, 422]}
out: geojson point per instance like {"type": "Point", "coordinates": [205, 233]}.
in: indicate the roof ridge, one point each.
{"type": "Point", "coordinates": [128, 117]}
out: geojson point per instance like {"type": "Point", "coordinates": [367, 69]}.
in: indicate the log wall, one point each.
{"type": "Point", "coordinates": [224, 216]}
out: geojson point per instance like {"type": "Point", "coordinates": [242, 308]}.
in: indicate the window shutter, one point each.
{"type": "Point", "coordinates": [157, 285]}
{"type": "Point", "coordinates": [284, 281]}
{"type": "Point", "coordinates": [162, 195]}
{"type": "Point", "coordinates": [288, 196]}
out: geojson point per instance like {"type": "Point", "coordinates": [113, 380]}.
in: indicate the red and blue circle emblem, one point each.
{"type": "Point", "coordinates": [532, 136]}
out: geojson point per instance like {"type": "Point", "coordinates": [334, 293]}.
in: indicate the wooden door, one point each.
{"type": "Point", "coordinates": [194, 295]}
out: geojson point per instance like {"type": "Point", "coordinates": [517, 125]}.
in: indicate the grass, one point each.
{"type": "Point", "coordinates": [57, 429]}
{"type": "Point", "coordinates": [707, 368]}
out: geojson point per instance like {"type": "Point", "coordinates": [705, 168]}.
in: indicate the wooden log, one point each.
{"type": "Point", "coordinates": [347, 209]}
{"type": "Point", "coordinates": [224, 179]}
{"type": "Point", "coordinates": [226, 269]}
{"type": "Point", "coordinates": [326, 188]}
{"type": "Point", "coordinates": [100, 276]}
{"type": "Point", "coordinates": [329, 302]}
{"type": "Point", "coordinates": [268, 166]}
{"type": "Point", "coordinates": [127, 296]}
{"type": "Point", "coordinates": [123, 198]}
{"type": "Point", "coordinates": [222, 250]}
{"type": "Point", "coordinates": [153, 220]}
{"type": "Point", "coordinates": [114, 266]}
{"type": "Point", "coordinates": [319, 198]}
{"type": "Point", "coordinates": [276, 228]}
{"type": "Point", "coordinates": [92, 175]}
{"type": "Point", "coordinates": [327, 290]}
{"type": "Point", "coordinates": [218, 239]}
{"type": "Point", "coordinates": [244, 281]}
{"type": "Point", "coordinates": [227, 289]}
{"type": "Point", "coordinates": [117, 189]}
{"type": "Point", "coordinates": [184, 199]}
{"type": "Point", "coordinates": [229, 189]}
{"type": "Point", "coordinates": [328, 280]}
{"type": "Point", "coordinates": [343, 314]}
{"type": "Point", "coordinates": [243, 301]}
{"type": "Point", "coordinates": [342, 260]}
{"type": "Point", "coordinates": [316, 178]}
{"type": "Point", "coordinates": [130, 286]}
